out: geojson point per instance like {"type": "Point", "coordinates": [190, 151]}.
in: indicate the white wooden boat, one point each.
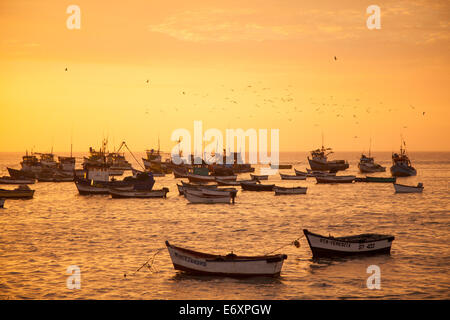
{"type": "Point", "coordinates": [143, 194]}
{"type": "Point", "coordinates": [401, 188]}
{"type": "Point", "coordinates": [10, 180]}
{"type": "Point", "coordinates": [2, 203]}
{"type": "Point", "coordinates": [291, 177]}
{"type": "Point", "coordinates": [363, 244]}
{"type": "Point", "coordinates": [196, 196]}
{"type": "Point", "coordinates": [229, 265]}
{"type": "Point", "coordinates": [86, 189]}
{"type": "Point", "coordinates": [259, 177]}
{"type": "Point", "coordinates": [336, 179]}
{"type": "Point", "coordinates": [294, 190]}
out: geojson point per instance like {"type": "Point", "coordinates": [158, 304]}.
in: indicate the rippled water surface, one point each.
{"type": "Point", "coordinates": [42, 237]}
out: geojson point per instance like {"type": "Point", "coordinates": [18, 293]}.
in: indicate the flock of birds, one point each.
{"type": "Point", "coordinates": [261, 99]}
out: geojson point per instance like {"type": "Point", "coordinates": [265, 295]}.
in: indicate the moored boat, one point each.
{"type": "Point", "coordinates": [194, 196]}
{"type": "Point", "coordinates": [203, 178]}
{"type": "Point", "coordinates": [21, 192]}
{"type": "Point", "coordinates": [117, 193]}
{"type": "Point", "coordinates": [294, 190]}
{"type": "Point", "coordinates": [401, 188]}
{"type": "Point", "coordinates": [292, 177]}
{"type": "Point", "coordinates": [368, 165]}
{"type": "Point", "coordinates": [259, 177]}
{"type": "Point", "coordinates": [362, 244]}
{"type": "Point", "coordinates": [229, 265]}
{"type": "Point", "coordinates": [376, 179]}
{"type": "Point", "coordinates": [248, 186]}
{"type": "Point", "coordinates": [221, 182]}
{"type": "Point", "coordinates": [319, 161]}
{"type": "Point", "coordinates": [401, 165]}
{"type": "Point", "coordinates": [336, 179]}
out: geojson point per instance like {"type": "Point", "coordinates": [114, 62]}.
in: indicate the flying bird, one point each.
{"type": "Point", "coordinates": [66, 69]}
{"type": "Point", "coordinates": [335, 58]}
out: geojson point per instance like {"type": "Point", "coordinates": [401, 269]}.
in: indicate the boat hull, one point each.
{"type": "Point", "coordinates": [336, 179]}
{"type": "Point", "coordinates": [200, 178]}
{"type": "Point", "coordinates": [8, 180]}
{"type": "Point", "coordinates": [363, 168]}
{"type": "Point", "coordinates": [85, 189]}
{"type": "Point", "coordinates": [225, 266]}
{"type": "Point", "coordinates": [402, 171]}
{"type": "Point", "coordinates": [261, 177]}
{"type": "Point", "coordinates": [162, 193]}
{"type": "Point", "coordinates": [289, 177]}
{"type": "Point", "coordinates": [400, 188]}
{"type": "Point", "coordinates": [16, 194]}
{"type": "Point", "coordinates": [328, 166]}
{"type": "Point", "coordinates": [257, 187]}
{"type": "Point", "coordinates": [327, 247]}
{"type": "Point", "coordinates": [288, 191]}
{"type": "Point", "coordinates": [193, 196]}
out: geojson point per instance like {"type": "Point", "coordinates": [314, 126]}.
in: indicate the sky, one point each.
{"type": "Point", "coordinates": [306, 68]}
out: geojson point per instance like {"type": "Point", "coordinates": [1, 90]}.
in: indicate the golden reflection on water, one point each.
{"type": "Point", "coordinates": [108, 237]}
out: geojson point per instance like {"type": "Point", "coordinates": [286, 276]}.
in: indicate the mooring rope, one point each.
{"type": "Point", "coordinates": [296, 243]}
{"type": "Point", "coordinates": [149, 266]}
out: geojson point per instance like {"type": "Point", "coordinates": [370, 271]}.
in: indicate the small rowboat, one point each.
{"type": "Point", "coordinates": [139, 193]}
{"type": "Point", "coordinates": [229, 265]}
{"type": "Point", "coordinates": [196, 196]}
{"type": "Point", "coordinates": [377, 179]}
{"type": "Point", "coordinates": [87, 189]}
{"type": "Point", "coordinates": [10, 180]}
{"type": "Point", "coordinates": [259, 177]}
{"type": "Point", "coordinates": [291, 177]}
{"type": "Point", "coordinates": [256, 186]}
{"type": "Point", "coordinates": [336, 179]}
{"type": "Point", "coordinates": [219, 192]}
{"type": "Point", "coordinates": [401, 188]}
{"type": "Point", "coordinates": [294, 190]}
{"type": "Point", "coordinates": [21, 192]}
{"type": "Point", "coordinates": [301, 173]}
{"type": "Point", "coordinates": [2, 202]}
{"type": "Point", "coordinates": [281, 166]}
{"type": "Point", "coordinates": [179, 173]}
{"type": "Point", "coordinates": [312, 173]}
{"type": "Point", "coordinates": [363, 244]}
{"type": "Point", "coordinates": [188, 186]}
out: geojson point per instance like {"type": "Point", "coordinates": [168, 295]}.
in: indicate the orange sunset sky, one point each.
{"type": "Point", "coordinates": [232, 64]}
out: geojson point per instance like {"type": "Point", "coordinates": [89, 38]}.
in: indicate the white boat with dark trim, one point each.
{"type": "Point", "coordinates": [293, 190]}
{"type": "Point", "coordinates": [401, 188]}
{"type": "Point", "coordinates": [229, 265]}
{"type": "Point", "coordinates": [161, 193]}
{"type": "Point", "coordinates": [292, 177]}
{"type": "Point", "coordinates": [362, 244]}
{"type": "Point", "coordinates": [336, 179]}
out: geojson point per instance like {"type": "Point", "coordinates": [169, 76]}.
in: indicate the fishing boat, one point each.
{"type": "Point", "coordinates": [96, 188]}
{"type": "Point", "coordinates": [21, 192]}
{"type": "Point", "coordinates": [117, 193]}
{"type": "Point", "coordinates": [336, 179]}
{"type": "Point", "coordinates": [401, 165]}
{"type": "Point", "coordinates": [319, 161]}
{"type": "Point", "coordinates": [256, 186]}
{"type": "Point", "coordinates": [294, 190]}
{"type": "Point", "coordinates": [230, 265]}
{"type": "Point", "coordinates": [193, 196]}
{"type": "Point", "coordinates": [10, 180]}
{"type": "Point", "coordinates": [401, 188]}
{"type": "Point", "coordinates": [2, 203]}
{"type": "Point", "coordinates": [362, 244]}
{"type": "Point", "coordinates": [368, 165]}
{"type": "Point", "coordinates": [30, 164]}
{"type": "Point", "coordinates": [377, 179]}
{"type": "Point", "coordinates": [280, 166]}
{"type": "Point", "coordinates": [66, 164]}
{"type": "Point", "coordinates": [21, 174]}
{"type": "Point", "coordinates": [259, 177]}
{"type": "Point", "coordinates": [292, 177]}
